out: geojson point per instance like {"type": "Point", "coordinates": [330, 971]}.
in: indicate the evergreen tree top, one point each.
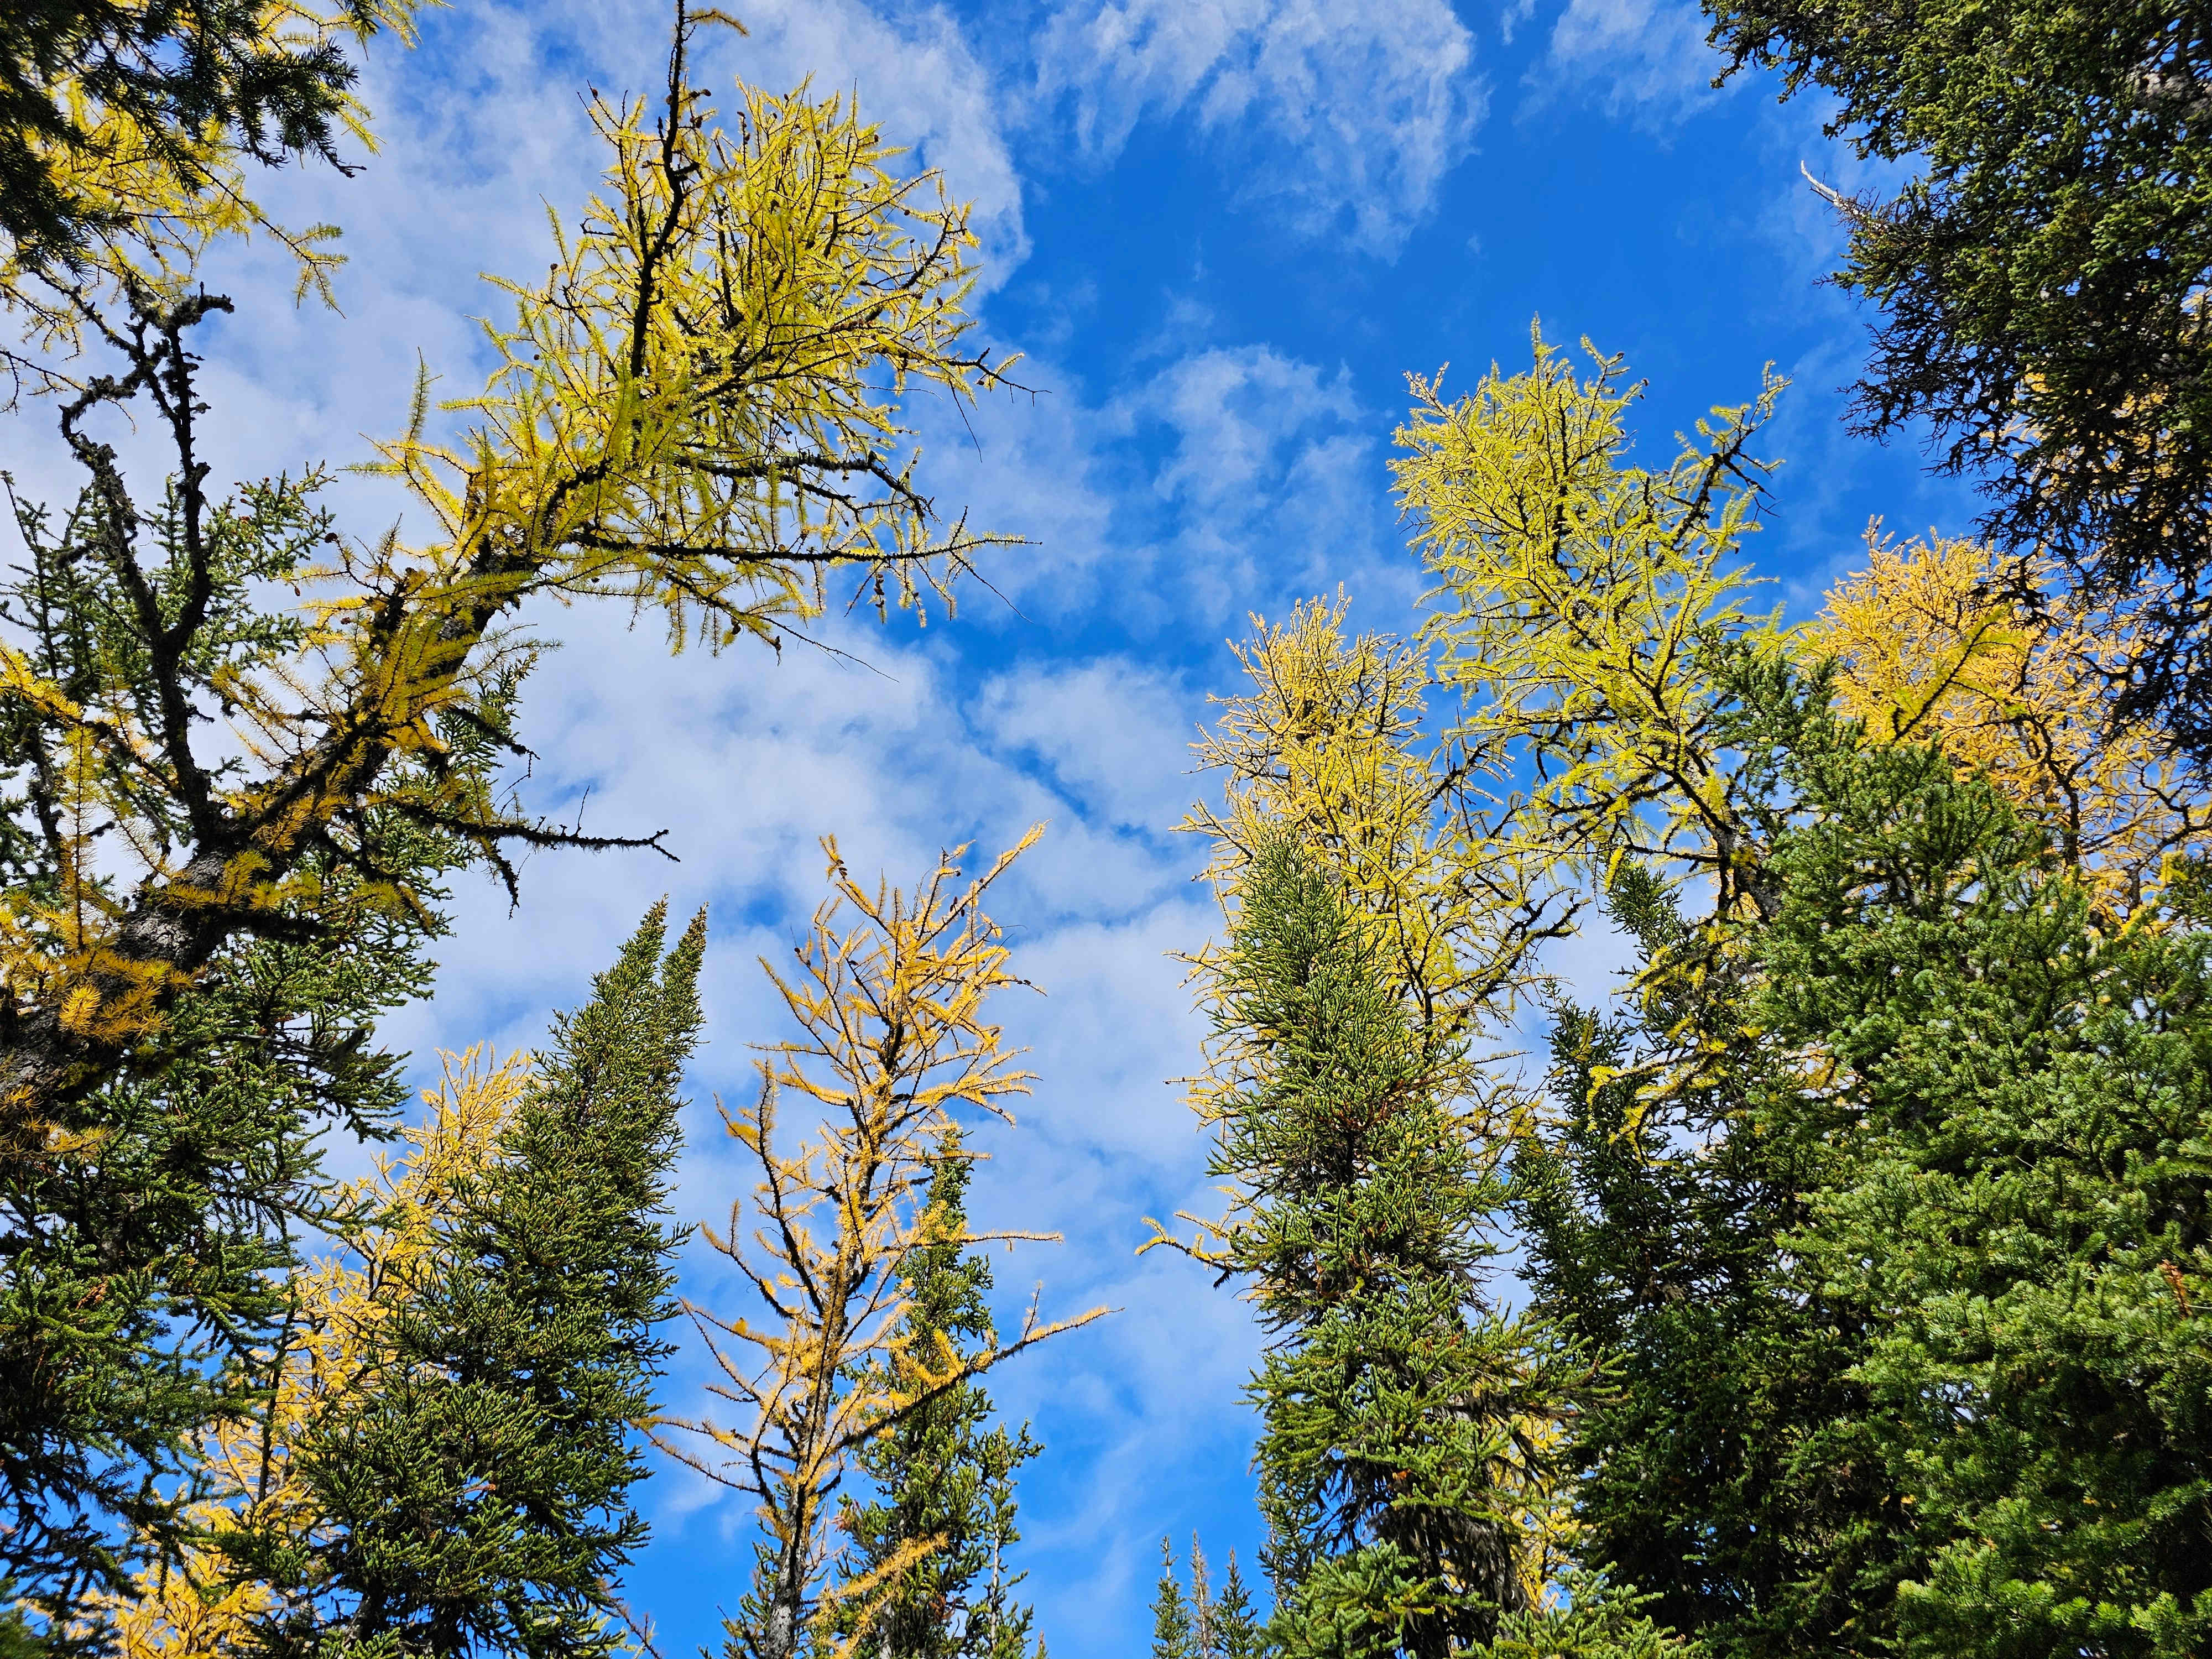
{"type": "Point", "coordinates": [1173, 1637]}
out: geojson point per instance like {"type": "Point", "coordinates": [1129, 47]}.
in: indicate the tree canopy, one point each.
{"type": "Point", "coordinates": [1831, 1281]}
{"type": "Point", "coordinates": [2041, 277]}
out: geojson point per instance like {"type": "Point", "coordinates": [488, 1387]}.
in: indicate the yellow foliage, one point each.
{"type": "Point", "coordinates": [1587, 606]}
{"type": "Point", "coordinates": [200, 1606]}
{"type": "Point", "coordinates": [1328, 743]}
{"type": "Point", "coordinates": [696, 413]}
{"type": "Point", "coordinates": [888, 995]}
{"type": "Point", "coordinates": [1587, 612]}
{"type": "Point", "coordinates": [1930, 647]}
{"type": "Point", "coordinates": [714, 364]}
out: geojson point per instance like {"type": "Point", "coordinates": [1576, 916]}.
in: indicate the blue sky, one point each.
{"type": "Point", "coordinates": [1221, 231]}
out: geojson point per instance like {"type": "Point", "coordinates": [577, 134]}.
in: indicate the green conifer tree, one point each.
{"type": "Point", "coordinates": [941, 1476]}
{"type": "Point", "coordinates": [1724, 1469]}
{"type": "Point", "coordinates": [1235, 1626]}
{"type": "Point", "coordinates": [149, 1226]}
{"type": "Point", "coordinates": [476, 1487]}
{"type": "Point", "coordinates": [1591, 1620]}
{"type": "Point", "coordinates": [2014, 1111]}
{"type": "Point", "coordinates": [2039, 283]}
{"type": "Point", "coordinates": [1400, 1444]}
{"type": "Point", "coordinates": [1172, 1635]}
{"type": "Point", "coordinates": [1902, 1316]}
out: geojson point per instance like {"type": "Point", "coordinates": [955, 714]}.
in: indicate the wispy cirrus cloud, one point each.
{"type": "Point", "coordinates": [1355, 111]}
{"type": "Point", "coordinates": [1645, 61]}
{"type": "Point", "coordinates": [1271, 480]}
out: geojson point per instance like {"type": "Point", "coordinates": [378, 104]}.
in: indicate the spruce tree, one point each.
{"type": "Point", "coordinates": [475, 1487]}
{"type": "Point", "coordinates": [149, 1257]}
{"type": "Point", "coordinates": [1722, 1467]}
{"type": "Point", "coordinates": [1235, 1626]}
{"type": "Point", "coordinates": [150, 1216]}
{"type": "Point", "coordinates": [1901, 1319]}
{"type": "Point", "coordinates": [2015, 1109]}
{"type": "Point", "coordinates": [940, 1473]}
{"type": "Point", "coordinates": [1400, 1409]}
{"type": "Point", "coordinates": [1172, 1635]}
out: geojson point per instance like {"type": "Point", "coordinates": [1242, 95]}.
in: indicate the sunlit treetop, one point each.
{"type": "Point", "coordinates": [1329, 742]}
{"type": "Point", "coordinates": [1585, 606]}
{"type": "Point", "coordinates": [697, 412]}
{"type": "Point", "coordinates": [1931, 648]}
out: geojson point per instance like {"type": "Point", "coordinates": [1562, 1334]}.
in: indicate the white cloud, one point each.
{"type": "Point", "coordinates": [1376, 103]}
{"type": "Point", "coordinates": [1232, 410]}
{"type": "Point", "coordinates": [1113, 733]}
{"type": "Point", "coordinates": [1646, 59]}
{"type": "Point", "coordinates": [1275, 481]}
{"type": "Point", "coordinates": [1227, 480]}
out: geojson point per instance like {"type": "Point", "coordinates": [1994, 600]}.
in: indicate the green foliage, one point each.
{"type": "Point", "coordinates": [1370, 1601]}
{"type": "Point", "coordinates": [148, 1223]}
{"type": "Point", "coordinates": [1717, 1464]}
{"type": "Point", "coordinates": [1899, 1311]}
{"type": "Point", "coordinates": [944, 1483]}
{"type": "Point", "coordinates": [148, 1262]}
{"type": "Point", "coordinates": [17, 1639]}
{"type": "Point", "coordinates": [1402, 1442]}
{"type": "Point", "coordinates": [1197, 1624]}
{"type": "Point", "coordinates": [2041, 274]}
{"type": "Point", "coordinates": [1826, 1425]}
{"type": "Point", "coordinates": [147, 621]}
{"type": "Point", "coordinates": [2019, 1204]}
{"type": "Point", "coordinates": [475, 1485]}
{"type": "Point", "coordinates": [1587, 1619]}
{"type": "Point", "coordinates": [1173, 1637]}
{"type": "Point", "coordinates": [1232, 1624]}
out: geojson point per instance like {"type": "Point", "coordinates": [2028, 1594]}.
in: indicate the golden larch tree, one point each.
{"type": "Point", "coordinates": [1329, 742]}
{"type": "Point", "coordinates": [1586, 608]}
{"type": "Point", "coordinates": [696, 413]}
{"type": "Point", "coordinates": [888, 992]}
{"type": "Point", "coordinates": [1934, 643]}
{"type": "Point", "coordinates": [206, 1603]}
